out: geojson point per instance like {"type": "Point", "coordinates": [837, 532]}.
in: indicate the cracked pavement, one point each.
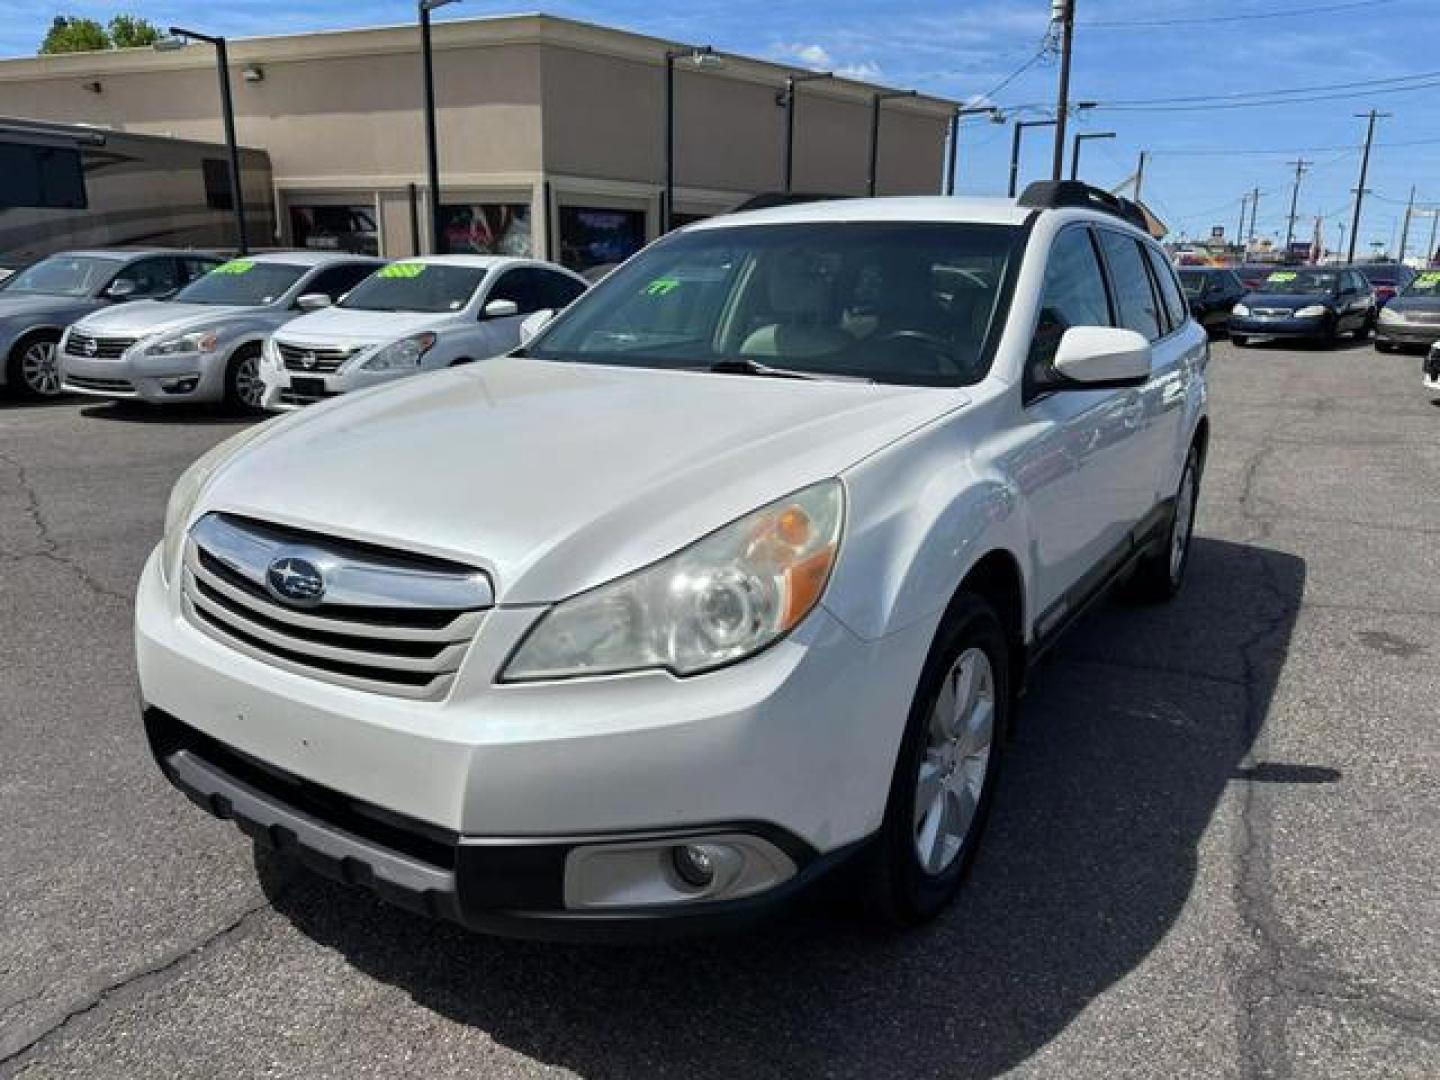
{"type": "Point", "coordinates": [1215, 852]}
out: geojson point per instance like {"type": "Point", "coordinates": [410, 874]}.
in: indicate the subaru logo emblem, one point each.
{"type": "Point", "coordinates": [295, 581]}
{"type": "Point", "coordinates": [91, 347]}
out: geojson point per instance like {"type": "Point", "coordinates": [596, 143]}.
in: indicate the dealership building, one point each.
{"type": "Point", "coordinates": [551, 132]}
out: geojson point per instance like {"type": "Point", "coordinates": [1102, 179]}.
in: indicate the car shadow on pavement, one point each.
{"type": "Point", "coordinates": [134, 412]}
{"type": "Point", "coordinates": [1131, 733]}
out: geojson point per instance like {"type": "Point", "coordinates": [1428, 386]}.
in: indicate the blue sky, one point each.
{"type": "Point", "coordinates": [1201, 161]}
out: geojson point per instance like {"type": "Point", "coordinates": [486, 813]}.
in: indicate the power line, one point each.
{"type": "Point", "coordinates": [1140, 24]}
{"type": "Point", "coordinates": [1225, 104]}
{"type": "Point", "coordinates": [1283, 92]}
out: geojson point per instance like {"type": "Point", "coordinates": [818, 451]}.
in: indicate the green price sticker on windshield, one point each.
{"type": "Point", "coordinates": [1283, 276]}
{"type": "Point", "coordinates": [402, 270]}
{"type": "Point", "coordinates": [662, 286]}
{"type": "Point", "coordinates": [1430, 277]}
{"type": "Point", "coordinates": [234, 266]}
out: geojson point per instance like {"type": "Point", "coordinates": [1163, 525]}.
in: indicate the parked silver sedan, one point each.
{"type": "Point", "coordinates": [38, 301]}
{"type": "Point", "coordinates": [203, 345]}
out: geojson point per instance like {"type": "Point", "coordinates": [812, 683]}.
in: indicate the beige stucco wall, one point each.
{"type": "Point", "coordinates": [522, 101]}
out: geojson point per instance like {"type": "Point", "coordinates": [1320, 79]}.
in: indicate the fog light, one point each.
{"type": "Point", "coordinates": [179, 386]}
{"type": "Point", "coordinates": [694, 865]}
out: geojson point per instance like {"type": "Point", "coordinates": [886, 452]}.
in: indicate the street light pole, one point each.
{"type": "Point", "coordinates": [787, 99]}
{"type": "Point", "coordinates": [875, 100]}
{"type": "Point", "coordinates": [432, 153]}
{"type": "Point", "coordinates": [1063, 12]}
{"type": "Point", "coordinates": [1140, 174]}
{"type": "Point", "coordinates": [178, 36]}
{"type": "Point", "coordinates": [996, 117]}
{"type": "Point", "coordinates": [1080, 137]}
{"type": "Point", "coordinates": [1372, 116]}
{"type": "Point", "coordinates": [699, 55]}
{"type": "Point", "coordinates": [1020, 126]}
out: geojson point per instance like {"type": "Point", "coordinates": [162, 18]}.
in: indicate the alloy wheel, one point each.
{"type": "Point", "coordinates": [39, 369]}
{"type": "Point", "coordinates": [955, 766]}
{"type": "Point", "coordinates": [249, 387]}
{"type": "Point", "coordinates": [1184, 519]}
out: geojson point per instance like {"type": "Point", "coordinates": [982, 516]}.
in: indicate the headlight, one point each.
{"type": "Point", "coordinates": [186, 492]}
{"type": "Point", "coordinates": [402, 354]}
{"type": "Point", "coordinates": [723, 598]}
{"type": "Point", "coordinates": [1386, 315]}
{"type": "Point", "coordinates": [197, 341]}
{"type": "Point", "coordinates": [1314, 311]}
{"type": "Point", "coordinates": [1240, 309]}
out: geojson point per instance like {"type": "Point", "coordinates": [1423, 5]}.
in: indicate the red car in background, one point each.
{"type": "Point", "coordinates": [1386, 279]}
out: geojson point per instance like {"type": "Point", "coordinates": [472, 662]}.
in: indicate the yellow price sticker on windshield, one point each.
{"type": "Point", "coordinates": [1283, 276]}
{"type": "Point", "coordinates": [234, 266]}
{"type": "Point", "coordinates": [402, 270]}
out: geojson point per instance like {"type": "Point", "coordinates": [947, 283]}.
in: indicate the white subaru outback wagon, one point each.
{"type": "Point", "coordinates": [729, 576]}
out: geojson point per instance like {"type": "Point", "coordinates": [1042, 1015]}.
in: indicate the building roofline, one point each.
{"type": "Point", "coordinates": [485, 31]}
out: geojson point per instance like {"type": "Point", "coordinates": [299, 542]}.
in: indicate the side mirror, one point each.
{"type": "Point", "coordinates": [500, 309]}
{"type": "Point", "coordinates": [1102, 357]}
{"type": "Point", "coordinates": [120, 289]}
{"type": "Point", "coordinates": [312, 301]}
{"type": "Point", "coordinates": [534, 323]}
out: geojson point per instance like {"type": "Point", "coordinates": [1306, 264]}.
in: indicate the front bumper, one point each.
{"type": "Point", "coordinates": [1417, 334]}
{"type": "Point", "coordinates": [286, 390]}
{"type": "Point", "coordinates": [795, 746]}
{"type": "Point", "coordinates": [1290, 329]}
{"type": "Point", "coordinates": [189, 377]}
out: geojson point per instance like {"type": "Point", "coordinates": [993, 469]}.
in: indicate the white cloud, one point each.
{"type": "Point", "coordinates": [818, 58]}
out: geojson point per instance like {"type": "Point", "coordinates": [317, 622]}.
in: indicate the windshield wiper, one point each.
{"type": "Point", "coordinates": [740, 365]}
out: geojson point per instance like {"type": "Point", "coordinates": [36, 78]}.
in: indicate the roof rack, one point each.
{"type": "Point", "coordinates": [770, 199]}
{"type": "Point", "coordinates": [1054, 194]}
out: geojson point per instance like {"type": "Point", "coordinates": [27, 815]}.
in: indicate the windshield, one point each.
{"type": "Point", "coordinates": [891, 302]}
{"type": "Point", "coordinates": [63, 275]}
{"type": "Point", "coordinates": [415, 286]}
{"type": "Point", "coordinates": [243, 283]}
{"type": "Point", "coordinates": [1300, 282]}
{"type": "Point", "coordinates": [1426, 285]}
{"type": "Point", "coordinates": [1193, 282]}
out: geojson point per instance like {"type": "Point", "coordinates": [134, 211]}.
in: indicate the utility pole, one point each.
{"type": "Point", "coordinates": [1062, 12]}
{"type": "Point", "coordinates": [1254, 209]}
{"type": "Point", "coordinates": [1434, 221]}
{"type": "Point", "coordinates": [1371, 116]}
{"type": "Point", "coordinates": [1240, 232]}
{"type": "Point", "coordinates": [1405, 229]}
{"type": "Point", "coordinates": [1140, 175]}
{"type": "Point", "coordinates": [1300, 166]}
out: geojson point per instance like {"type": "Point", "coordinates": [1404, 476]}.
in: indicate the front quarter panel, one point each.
{"type": "Point", "coordinates": [921, 513]}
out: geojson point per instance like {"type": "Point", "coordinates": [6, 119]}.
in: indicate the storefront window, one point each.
{"type": "Point", "coordinates": [591, 238]}
{"type": "Point", "coordinates": [335, 228]}
{"type": "Point", "coordinates": [485, 229]}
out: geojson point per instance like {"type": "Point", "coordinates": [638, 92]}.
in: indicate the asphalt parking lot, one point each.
{"type": "Point", "coordinates": [1215, 853]}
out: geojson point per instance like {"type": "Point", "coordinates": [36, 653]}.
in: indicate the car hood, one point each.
{"type": "Point", "coordinates": [557, 477]}
{"type": "Point", "coordinates": [44, 308]}
{"type": "Point", "coordinates": [1287, 300]}
{"type": "Point", "coordinates": [347, 327]}
{"type": "Point", "coordinates": [145, 317]}
{"type": "Point", "coordinates": [1414, 305]}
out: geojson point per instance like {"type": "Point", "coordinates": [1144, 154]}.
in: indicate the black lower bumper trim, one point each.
{"type": "Point", "coordinates": [512, 888]}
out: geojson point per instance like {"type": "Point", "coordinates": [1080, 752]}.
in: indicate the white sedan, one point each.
{"type": "Point", "coordinates": [414, 315]}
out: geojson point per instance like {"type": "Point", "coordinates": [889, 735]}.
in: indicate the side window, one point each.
{"type": "Point", "coordinates": [152, 277]}
{"type": "Point", "coordinates": [1134, 298]}
{"type": "Point", "coordinates": [1169, 290]}
{"type": "Point", "coordinates": [518, 285]}
{"type": "Point", "coordinates": [336, 281]}
{"type": "Point", "coordinates": [1073, 295]}
{"type": "Point", "coordinates": [190, 269]}
{"type": "Point", "coordinates": [557, 290]}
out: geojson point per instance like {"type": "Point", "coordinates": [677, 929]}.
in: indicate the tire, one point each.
{"type": "Point", "coordinates": [1384, 346]}
{"type": "Point", "coordinates": [971, 650]}
{"type": "Point", "coordinates": [244, 389]}
{"type": "Point", "coordinates": [32, 370]}
{"type": "Point", "coordinates": [1240, 341]}
{"type": "Point", "coordinates": [1159, 575]}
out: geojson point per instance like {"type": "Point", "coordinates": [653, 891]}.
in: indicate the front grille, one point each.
{"type": "Point", "coordinates": [97, 348]}
{"type": "Point", "coordinates": [108, 386]}
{"type": "Point", "coordinates": [295, 397]}
{"type": "Point", "coordinates": [321, 361]}
{"type": "Point", "coordinates": [1272, 312]}
{"type": "Point", "coordinates": [388, 622]}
